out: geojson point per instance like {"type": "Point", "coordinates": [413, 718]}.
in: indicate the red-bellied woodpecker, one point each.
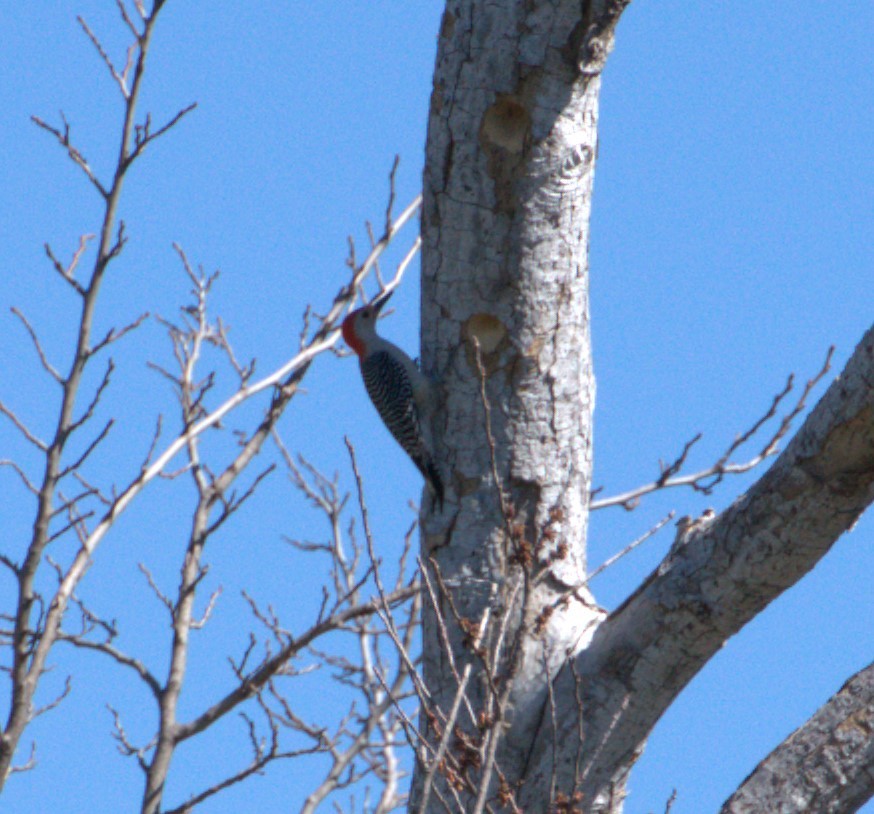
{"type": "Point", "coordinates": [397, 388]}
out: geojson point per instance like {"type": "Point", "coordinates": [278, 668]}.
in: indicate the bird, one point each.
{"type": "Point", "coordinates": [401, 393]}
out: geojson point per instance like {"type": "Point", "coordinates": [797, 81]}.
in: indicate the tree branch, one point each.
{"type": "Point", "coordinates": [824, 766]}
{"type": "Point", "coordinates": [47, 366]}
{"type": "Point", "coordinates": [707, 479]}
{"type": "Point", "coordinates": [23, 429]}
{"type": "Point", "coordinates": [77, 157]}
{"type": "Point", "coordinates": [258, 677]}
{"type": "Point", "coordinates": [68, 273]}
{"type": "Point", "coordinates": [723, 571]}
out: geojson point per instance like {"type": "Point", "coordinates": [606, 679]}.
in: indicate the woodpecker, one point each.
{"type": "Point", "coordinates": [397, 388]}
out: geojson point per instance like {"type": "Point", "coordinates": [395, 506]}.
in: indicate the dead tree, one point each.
{"type": "Point", "coordinates": [538, 699]}
{"type": "Point", "coordinates": [532, 697]}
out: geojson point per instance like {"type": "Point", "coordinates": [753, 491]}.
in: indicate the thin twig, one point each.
{"type": "Point", "coordinates": [78, 159]}
{"type": "Point", "coordinates": [22, 428]}
{"type": "Point", "coordinates": [629, 548]}
{"type": "Point", "coordinates": [29, 764]}
{"type": "Point", "coordinates": [47, 366]}
{"type": "Point", "coordinates": [120, 80]}
{"type": "Point", "coordinates": [68, 273]}
{"type": "Point", "coordinates": [145, 136]}
{"type": "Point", "coordinates": [707, 479]}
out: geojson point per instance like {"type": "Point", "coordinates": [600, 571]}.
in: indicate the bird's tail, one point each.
{"type": "Point", "coordinates": [432, 478]}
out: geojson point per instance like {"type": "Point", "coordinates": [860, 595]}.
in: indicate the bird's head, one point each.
{"type": "Point", "coordinates": [360, 325]}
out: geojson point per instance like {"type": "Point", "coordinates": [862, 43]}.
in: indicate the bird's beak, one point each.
{"type": "Point", "coordinates": [381, 300]}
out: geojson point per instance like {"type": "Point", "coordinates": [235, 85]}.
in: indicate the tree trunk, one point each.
{"type": "Point", "coordinates": [507, 195]}
{"type": "Point", "coordinates": [537, 700]}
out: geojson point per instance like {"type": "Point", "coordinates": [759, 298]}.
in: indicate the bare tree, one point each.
{"type": "Point", "coordinates": [556, 698]}
{"type": "Point", "coordinates": [531, 697]}
{"type": "Point", "coordinates": [355, 633]}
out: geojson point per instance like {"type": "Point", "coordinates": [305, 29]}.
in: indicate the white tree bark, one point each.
{"type": "Point", "coordinates": [507, 195]}
{"type": "Point", "coordinates": [508, 180]}
{"type": "Point", "coordinates": [719, 578]}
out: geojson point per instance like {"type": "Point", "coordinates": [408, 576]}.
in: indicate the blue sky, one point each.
{"type": "Point", "coordinates": [731, 245]}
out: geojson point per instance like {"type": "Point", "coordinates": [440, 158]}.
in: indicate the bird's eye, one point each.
{"type": "Point", "coordinates": [366, 315]}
